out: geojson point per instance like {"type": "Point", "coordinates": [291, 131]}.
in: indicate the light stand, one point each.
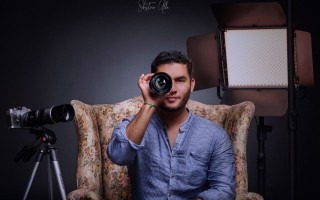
{"type": "Point", "coordinates": [263, 22]}
{"type": "Point", "coordinates": [47, 139]}
{"type": "Point", "coordinates": [261, 165]}
{"type": "Point", "coordinates": [292, 118]}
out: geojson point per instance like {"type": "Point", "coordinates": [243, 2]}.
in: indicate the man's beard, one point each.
{"type": "Point", "coordinates": [180, 107]}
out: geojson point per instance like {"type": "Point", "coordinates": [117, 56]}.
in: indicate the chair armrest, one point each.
{"type": "Point", "coordinates": [89, 175]}
{"type": "Point", "coordinates": [83, 194]}
{"type": "Point", "coordinates": [249, 196]}
{"type": "Point", "coordinates": [237, 124]}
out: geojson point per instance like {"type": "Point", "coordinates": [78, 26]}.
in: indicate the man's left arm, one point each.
{"type": "Point", "coordinates": [221, 172]}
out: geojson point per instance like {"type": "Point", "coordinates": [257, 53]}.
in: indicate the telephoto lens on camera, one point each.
{"type": "Point", "coordinates": [160, 83]}
{"type": "Point", "coordinates": [22, 117]}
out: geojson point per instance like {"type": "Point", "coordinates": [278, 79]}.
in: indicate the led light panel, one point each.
{"type": "Point", "coordinates": [256, 58]}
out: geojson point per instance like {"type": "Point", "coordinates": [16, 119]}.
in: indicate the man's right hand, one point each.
{"type": "Point", "coordinates": [143, 84]}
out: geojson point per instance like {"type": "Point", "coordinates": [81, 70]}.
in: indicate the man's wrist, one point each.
{"type": "Point", "coordinates": [150, 105]}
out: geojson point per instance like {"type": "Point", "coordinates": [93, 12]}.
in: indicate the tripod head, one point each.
{"type": "Point", "coordinates": [43, 136]}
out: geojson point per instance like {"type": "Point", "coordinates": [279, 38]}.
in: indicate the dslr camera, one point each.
{"type": "Point", "coordinates": [160, 83]}
{"type": "Point", "coordinates": [22, 117]}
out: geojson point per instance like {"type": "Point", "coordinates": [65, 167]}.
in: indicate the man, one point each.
{"type": "Point", "coordinates": [170, 152]}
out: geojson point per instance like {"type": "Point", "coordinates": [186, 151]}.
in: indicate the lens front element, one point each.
{"type": "Point", "coordinates": [160, 83]}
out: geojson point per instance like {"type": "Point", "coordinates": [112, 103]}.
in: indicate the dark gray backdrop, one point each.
{"type": "Point", "coordinates": [53, 52]}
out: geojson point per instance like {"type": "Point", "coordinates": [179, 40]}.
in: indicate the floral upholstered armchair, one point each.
{"type": "Point", "coordinates": [99, 178]}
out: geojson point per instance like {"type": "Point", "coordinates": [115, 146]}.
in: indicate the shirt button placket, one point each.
{"type": "Point", "coordinates": [171, 173]}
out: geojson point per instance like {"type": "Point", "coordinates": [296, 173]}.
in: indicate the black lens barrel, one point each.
{"type": "Point", "coordinates": [160, 83]}
{"type": "Point", "coordinates": [55, 114]}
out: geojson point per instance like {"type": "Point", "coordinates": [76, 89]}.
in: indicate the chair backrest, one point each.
{"type": "Point", "coordinates": [94, 125]}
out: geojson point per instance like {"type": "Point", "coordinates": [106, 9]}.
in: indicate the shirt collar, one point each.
{"type": "Point", "coordinates": [183, 127]}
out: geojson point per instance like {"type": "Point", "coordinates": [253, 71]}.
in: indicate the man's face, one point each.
{"type": "Point", "coordinates": [182, 86]}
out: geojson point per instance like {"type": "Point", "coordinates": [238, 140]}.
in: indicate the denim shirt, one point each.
{"type": "Point", "coordinates": [200, 164]}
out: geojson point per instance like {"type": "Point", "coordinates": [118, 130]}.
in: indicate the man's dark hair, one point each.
{"type": "Point", "coordinates": [167, 57]}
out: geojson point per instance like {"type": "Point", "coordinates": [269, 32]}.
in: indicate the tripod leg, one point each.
{"type": "Point", "coordinates": [38, 160]}
{"type": "Point", "coordinates": [50, 179]}
{"type": "Point", "coordinates": [55, 163]}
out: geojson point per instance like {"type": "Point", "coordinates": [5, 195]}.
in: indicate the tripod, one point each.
{"type": "Point", "coordinates": [47, 138]}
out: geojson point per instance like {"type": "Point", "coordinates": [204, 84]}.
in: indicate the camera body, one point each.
{"type": "Point", "coordinates": [14, 116]}
{"type": "Point", "coordinates": [160, 83]}
{"type": "Point", "coordinates": [22, 117]}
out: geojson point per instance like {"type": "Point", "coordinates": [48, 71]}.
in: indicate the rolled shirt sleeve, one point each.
{"type": "Point", "coordinates": [120, 149]}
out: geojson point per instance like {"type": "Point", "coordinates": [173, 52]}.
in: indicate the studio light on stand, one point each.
{"type": "Point", "coordinates": [251, 58]}
{"type": "Point", "coordinates": [24, 118]}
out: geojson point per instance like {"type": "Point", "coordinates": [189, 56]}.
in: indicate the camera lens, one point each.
{"type": "Point", "coordinates": [160, 83]}
{"type": "Point", "coordinates": [61, 113]}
